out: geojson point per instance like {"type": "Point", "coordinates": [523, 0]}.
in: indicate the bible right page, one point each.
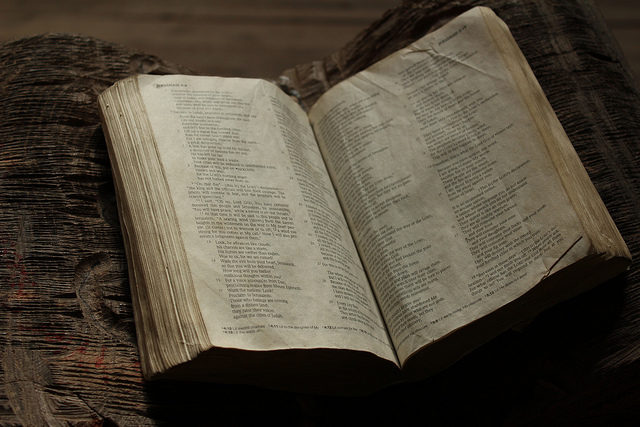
{"type": "Point", "coordinates": [452, 199]}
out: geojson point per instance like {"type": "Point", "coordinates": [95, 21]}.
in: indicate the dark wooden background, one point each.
{"type": "Point", "coordinates": [67, 338]}
{"type": "Point", "coordinates": [256, 38]}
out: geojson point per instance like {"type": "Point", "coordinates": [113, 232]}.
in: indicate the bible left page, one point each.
{"type": "Point", "coordinates": [273, 263]}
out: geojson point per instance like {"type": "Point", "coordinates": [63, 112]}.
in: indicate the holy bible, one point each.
{"type": "Point", "coordinates": [418, 209]}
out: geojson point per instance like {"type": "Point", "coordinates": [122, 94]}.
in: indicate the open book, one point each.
{"type": "Point", "coordinates": [420, 208]}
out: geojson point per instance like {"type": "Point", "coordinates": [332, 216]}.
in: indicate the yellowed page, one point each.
{"type": "Point", "coordinates": [272, 259]}
{"type": "Point", "coordinates": [452, 199]}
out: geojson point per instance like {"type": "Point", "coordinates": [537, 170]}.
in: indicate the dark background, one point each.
{"type": "Point", "coordinates": [247, 38]}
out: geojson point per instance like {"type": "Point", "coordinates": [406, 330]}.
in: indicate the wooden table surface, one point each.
{"type": "Point", "coordinates": [67, 338]}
